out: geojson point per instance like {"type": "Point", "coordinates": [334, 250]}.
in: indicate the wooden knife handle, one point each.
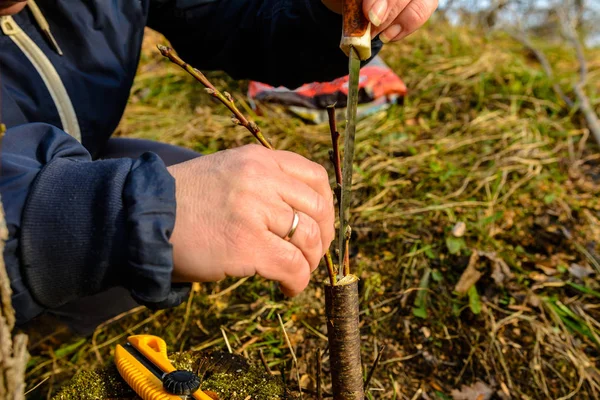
{"type": "Point", "coordinates": [356, 32]}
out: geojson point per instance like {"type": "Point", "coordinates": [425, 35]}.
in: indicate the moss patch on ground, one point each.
{"type": "Point", "coordinates": [229, 376]}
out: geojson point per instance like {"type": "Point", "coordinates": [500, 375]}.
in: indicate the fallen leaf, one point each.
{"type": "Point", "coordinates": [579, 271]}
{"type": "Point", "coordinates": [459, 229]}
{"type": "Point", "coordinates": [534, 300]}
{"type": "Point", "coordinates": [538, 277]}
{"type": "Point", "coordinates": [426, 332]}
{"type": "Point", "coordinates": [477, 391]}
{"type": "Point", "coordinates": [550, 271]}
{"type": "Point", "coordinates": [305, 380]}
{"type": "Point", "coordinates": [500, 269]}
{"type": "Point", "coordinates": [470, 276]}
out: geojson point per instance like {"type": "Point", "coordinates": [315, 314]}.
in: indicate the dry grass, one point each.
{"type": "Point", "coordinates": [482, 139]}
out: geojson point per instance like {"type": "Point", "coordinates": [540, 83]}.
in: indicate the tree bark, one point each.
{"type": "Point", "coordinates": [13, 349]}
{"type": "Point", "coordinates": [342, 310]}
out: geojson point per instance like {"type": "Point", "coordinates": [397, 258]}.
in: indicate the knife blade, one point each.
{"type": "Point", "coordinates": [356, 43]}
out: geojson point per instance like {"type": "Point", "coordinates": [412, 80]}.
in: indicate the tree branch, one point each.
{"type": "Point", "coordinates": [335, 155]}
{"type": "Point", "coordinates": [584, 102]}
{"type": "Point", "coordinates": [522, 38]}
{"type": "Point", "coordinates": [224, 98]}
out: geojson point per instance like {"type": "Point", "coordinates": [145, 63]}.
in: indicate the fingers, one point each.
{"type": "Point", "coordinates": [308, 193]}
{"type": "Point", "coordinates": [305, 200]}
{"type": "Point", "coordinates": [276, 181]}
{"type": "Point", "coordinates": [410, 18]}
{"type": "Point", "coordinates": [307, 236]}
{"type": "Point", "coordinates": [306, 171]}
{"type": "Point", "coordinates": [271, 184]}
{"type": "Point", "coordinates": [393, 19]}
{"type": "Point", "coordinates": [393, 10]}
{"type": "Point", "coordinates": [287, 265]}
{"type": "Point", "coordinates": [376, 11]}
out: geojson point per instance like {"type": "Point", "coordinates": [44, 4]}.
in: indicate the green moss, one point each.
{"type": "Point", "coordinates": [105, 383]}
{"type": "Point", "coordinates": [231, 376]}
{"type": "Point", "coordinates": [239, 386]}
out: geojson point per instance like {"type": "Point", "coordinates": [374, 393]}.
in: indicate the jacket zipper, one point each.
{"type": "Point", "coordinates": [48, 73]}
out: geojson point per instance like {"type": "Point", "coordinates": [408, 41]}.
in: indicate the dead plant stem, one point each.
{"type": "Point", "coordinates": [319, 371]}
{"type": "Point", "coordinates": [226, 341]}
{"type": "Point", "coordinates": [264, 362]}
{"type": "Point", "coordinates": [330, 269]}
{"type": "Point", "coordinates": [289, 343]}
{"type": "Point", "coordinates": [374, 367]}
{"type": "Point", "coordinates": [346, 262]}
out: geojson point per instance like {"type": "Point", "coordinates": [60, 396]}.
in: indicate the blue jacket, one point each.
{"type": "Point", "coordinates": [78, 225]}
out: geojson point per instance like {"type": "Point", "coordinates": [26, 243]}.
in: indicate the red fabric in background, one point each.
{"type": "Point", "coordinates": [377, 80]}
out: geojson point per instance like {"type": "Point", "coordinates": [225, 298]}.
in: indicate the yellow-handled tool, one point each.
{"type": "Point", "coordinates": [356, 43]}
{"type": "Point", "coordinates": [144, 365]}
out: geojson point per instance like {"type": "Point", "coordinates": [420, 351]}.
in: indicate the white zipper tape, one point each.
{"type": "Point", "coordinates": [44, 67]}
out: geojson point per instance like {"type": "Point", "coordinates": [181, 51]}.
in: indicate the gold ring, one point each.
{"type": "Point", "coordinates": [292, 230]}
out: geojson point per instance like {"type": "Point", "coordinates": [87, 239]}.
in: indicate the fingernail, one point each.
{"type": "Point", "coordinates": [377, 12]}
{"type": "Point", "coordinates": [390, 33]}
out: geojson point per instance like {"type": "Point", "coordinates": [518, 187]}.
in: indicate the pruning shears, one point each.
{"type": "Point", "coordinates": [145, 366]}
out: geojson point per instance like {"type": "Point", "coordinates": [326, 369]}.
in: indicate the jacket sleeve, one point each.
{"type": "Point", "coordinates": [279, 42]}
{"type": "Point", "coordinates": [77, 226]}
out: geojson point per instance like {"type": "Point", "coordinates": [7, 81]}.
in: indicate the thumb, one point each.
{"type": "Point", "coordinates": [375, 10]}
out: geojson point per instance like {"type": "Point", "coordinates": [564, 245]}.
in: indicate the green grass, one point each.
{"type": "Point", "coordinates": [482, 138]}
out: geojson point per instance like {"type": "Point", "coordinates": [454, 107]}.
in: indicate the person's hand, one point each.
{"type": "Point", "coordinates": [11, 7]}
{"type": "Point", "coordinates": [233, 209]}
{"type": "Point", "coordinates": [392, 19]}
